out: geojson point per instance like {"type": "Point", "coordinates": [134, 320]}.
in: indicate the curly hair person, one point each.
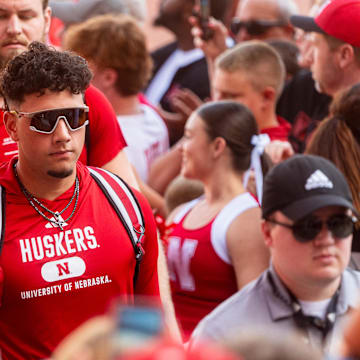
{"type": "Point", "coordinates": [43, 68]}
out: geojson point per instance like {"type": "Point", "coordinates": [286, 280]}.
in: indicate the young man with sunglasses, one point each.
{"type": "Point", "coordinates": [65, 253]}
{"type": "Point", "coordinates": [24, 21]}
{"type": "Point", "coordinates": [308, 224]}
{"type": "Point", "coordinates": [263, 20]}
{"type": "Point", "coordinates": [254, 20]}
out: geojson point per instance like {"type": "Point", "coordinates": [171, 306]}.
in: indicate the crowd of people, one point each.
{"type": "Point", "coordinates": [200, 201]}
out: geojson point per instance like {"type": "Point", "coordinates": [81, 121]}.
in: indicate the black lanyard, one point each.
{"type": "Point", "coordinates": [303, 321]}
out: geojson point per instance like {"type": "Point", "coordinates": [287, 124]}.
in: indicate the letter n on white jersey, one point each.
{"type": "Point", "coordinates": [179, 258]}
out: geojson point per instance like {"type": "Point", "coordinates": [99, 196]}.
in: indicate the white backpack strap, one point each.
{"type": "Point", "coordinates": [121, 210]}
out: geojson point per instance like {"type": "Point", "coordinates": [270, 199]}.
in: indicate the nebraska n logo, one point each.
{"type": "Point", "coordinates": [63, 269]}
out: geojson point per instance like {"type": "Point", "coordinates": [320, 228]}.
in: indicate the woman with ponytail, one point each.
{"type": "Point", "coordinates": [338, 139]}
{"type": "Point", "coordinates": [216, 245]}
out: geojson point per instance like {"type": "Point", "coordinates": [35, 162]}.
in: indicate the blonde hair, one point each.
{"type": "Point", "coordinates": [259, 61]}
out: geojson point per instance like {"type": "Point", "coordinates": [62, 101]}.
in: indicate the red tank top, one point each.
{"type": "Point", "coordinates": [201, 273]}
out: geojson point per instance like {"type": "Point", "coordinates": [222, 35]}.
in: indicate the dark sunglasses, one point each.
{"type": "Point", "coordinates": [308, 228]}
{"type": "Point", "coordinates": [254, 27]}
{"type": "Point", "coordinates": [45, 121]}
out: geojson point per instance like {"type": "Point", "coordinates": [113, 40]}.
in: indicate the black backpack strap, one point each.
{"type": "Point", "coordinates": [2, 216]}
{"type": "Point", "coordinates": [87, 140]}
{"type": "Point", "coordinates": [87, 131]}
{"type": "Point", "coordinates": [132, 218]}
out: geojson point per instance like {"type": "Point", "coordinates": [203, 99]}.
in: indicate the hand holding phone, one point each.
{"type": "Point", "coordinates": [204, 16]}
{"type": "Point", "coordinates": [135, 326]}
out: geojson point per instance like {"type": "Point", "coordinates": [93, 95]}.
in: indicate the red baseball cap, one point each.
{"type": "Point", "coordinates": [338, 18]}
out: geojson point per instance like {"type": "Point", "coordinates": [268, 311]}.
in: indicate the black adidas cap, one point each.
{"type": "Point", "coordinates": [303, 184]}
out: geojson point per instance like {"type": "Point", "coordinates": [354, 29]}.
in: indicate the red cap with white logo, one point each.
{"type": "Point", "coordinates": [338, 18]}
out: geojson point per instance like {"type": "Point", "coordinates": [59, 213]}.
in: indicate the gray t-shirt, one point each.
{"type": "Point", "coordinates": [257, 305]}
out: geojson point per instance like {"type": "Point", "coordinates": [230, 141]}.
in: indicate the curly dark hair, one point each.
{"type": "Point", "coordinates": [43, 68]}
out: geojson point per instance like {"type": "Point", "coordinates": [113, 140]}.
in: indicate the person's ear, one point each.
{"type": "Point", "coordinates": [105, 79]}
{"type": "Point", "coordinates": [345, 55]}
{"type": "Point", "coordinates": [268, 95]}
{"type": "Point", "coordinates": [266, 228]}
{"type": "Point", "coordinates": [219, 145]}
{"type": "Point", "coordinates": [47, 19]}
{"type": "Point", "coordinates": [10, 121]}
{"type": "Point", "coordinates": [110, 76]}
{"type": "Point", "coordinates": [289, 31]}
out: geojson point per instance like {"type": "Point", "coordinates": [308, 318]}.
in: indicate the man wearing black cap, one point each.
{"type": "Point", "coordinates": [336, 43]}
{"type": "Point", "coordinates": [308, 224]}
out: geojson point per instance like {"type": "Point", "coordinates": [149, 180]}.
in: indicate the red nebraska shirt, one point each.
{"type": "Point", "coordinates": [51, 281]}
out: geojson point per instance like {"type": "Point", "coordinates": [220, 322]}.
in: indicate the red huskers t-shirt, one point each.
{"type": "Point", "coordinates": [51, 280]}
{"type": "Point", "coordinates": [105, 136]}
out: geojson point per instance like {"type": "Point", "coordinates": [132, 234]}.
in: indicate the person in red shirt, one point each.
{"type": "Point", "coordinates": [65, 253]}
{"type": "Point", "coordinates": [253, 74]}
{"type": "Point", "coordinates": [24, 21]}
{"type": "Point", "coordinates": [210, 247]}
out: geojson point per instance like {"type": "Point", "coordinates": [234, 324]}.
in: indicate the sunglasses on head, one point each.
{"type": "Point", "coordinates": [254, 27]}
{"type": "Point", "coordinates": [45, 121]}
{"type": "Point", "coordinates": [308, 228]}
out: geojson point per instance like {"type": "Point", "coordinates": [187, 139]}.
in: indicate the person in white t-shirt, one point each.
{"type": "Point", "coordinates": [115, 47]}
{"type": "Point", "coordinates": [146, 136]}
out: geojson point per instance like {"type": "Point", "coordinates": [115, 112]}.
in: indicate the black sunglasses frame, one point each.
{"type": "Point", "coordinates": [254, 27]}
{"type": "Point", "coordinates": [304, 233]}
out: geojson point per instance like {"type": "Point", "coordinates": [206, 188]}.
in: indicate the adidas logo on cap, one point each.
{"type": "Point", "coordinates": [318, 180]}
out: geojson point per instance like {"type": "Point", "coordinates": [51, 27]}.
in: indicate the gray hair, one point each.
{"type": "Point", "coordinates": [74, 12]}
{"type": "Point", "coordinates": [287, 8]}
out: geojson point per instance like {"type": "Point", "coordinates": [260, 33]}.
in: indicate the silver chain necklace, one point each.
{"type": "Point", "coordinates": [57, 220]}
